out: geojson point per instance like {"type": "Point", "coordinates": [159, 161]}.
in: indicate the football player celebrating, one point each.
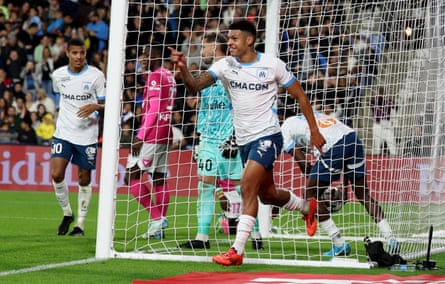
{"type": "Point", "coordinates": [251, 79]}
{"type": "Point", "coordinates": [82, 95]}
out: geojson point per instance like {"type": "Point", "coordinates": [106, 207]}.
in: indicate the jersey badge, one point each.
{"type": "Point", "coordinates": [262, 74]}
{"type": "Point", "coordinates": [86, 86]}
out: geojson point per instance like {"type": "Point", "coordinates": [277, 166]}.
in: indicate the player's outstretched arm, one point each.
{"type": "Point", "coordinates": [297, 92]}
{"type": "Point", "coordinates": [193, 84]}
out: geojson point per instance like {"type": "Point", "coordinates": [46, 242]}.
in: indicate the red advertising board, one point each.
{"type": "Point", "coordinates": [390, 178]}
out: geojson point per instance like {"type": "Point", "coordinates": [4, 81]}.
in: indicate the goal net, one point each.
{"type": "Point", "coordinates": [375, 65]}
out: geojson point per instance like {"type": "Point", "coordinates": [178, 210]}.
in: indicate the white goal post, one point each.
{"type": "Point", "coordinates": [346, 54]}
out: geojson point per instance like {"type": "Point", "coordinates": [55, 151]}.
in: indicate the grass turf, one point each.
{"type": "Point", "coordinates": [28, 239]}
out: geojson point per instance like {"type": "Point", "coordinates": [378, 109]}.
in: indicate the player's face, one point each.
{"type": "Point", "coordinates": [208, 52]}
{"type": "Point", "coordinates": [238, 42]}
{"type": "Point", "coordinates": [77, 57]}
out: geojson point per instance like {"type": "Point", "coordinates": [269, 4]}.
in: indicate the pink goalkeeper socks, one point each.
{"type": "Point", "coordinates": [143, 196]}
{"type": "Point", "coordinates": [162, 195]}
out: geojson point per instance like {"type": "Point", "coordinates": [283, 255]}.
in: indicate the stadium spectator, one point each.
{"type": "Point", "coordinates": [383, 128]}
{"type": "Point", "coordinates": [42, 99]}
{"type": "Point", "coordinates": [56, 26]}
{"type": "Point", "coordinates": [17, 90]}
{"type": "Point", "coordinates": [14, 65]}
{"type": "Point", "coordinates": [97, 31]}
{"type": "Point", "coordinates": [45, 41]}
{"type": "Point", "coordinates": [5, 81]}
{"type": "Point", "coordinates": [53, 7]}
{"type": "Point", "coordinates": [58, 47]}
{"type": "Point", "coordinates": [191, 46]}
{"type": "Point", "coordinates": [259, 138]}
{"type": "Point", "coordinates": [77, 131]}
{"type": "Point", "coordinates": [32, 17]}
{"type": "Point", "coordinates": [127, 136]}
{"type": "Point", "coordinates": [12, 118]}
{"type": "Point", "coordinates": [9, 98]}
{"type": "Point", "coordinates": [20, 108]}
{"type": "Point", "coordinates": [35, 119]}
{"type": "Point", "coordinates": [29, 100]}
{"type": "Point", "coordinates": [4, 9]}
{"type": "Point", "coordinates": [127, 112]}
{"type": "Point", "coordinates": [150, 148]}
{"type": "Point", "coordinates": [29, 39]}
{"type": "Point", "coordinates": [26, 134]}
{"type": "Point", "coordinates": [29, 78]}
{"type": "Point", "coordinates": [43, 72]}
{"type": "Point", "coordinates": [3, 108]}
{"type": "Point", "coordinates": [7, 135]}
{"type": "Point", "coordinates": [343, 153]}
{"type": "Point", "coordinates": [45, 130]}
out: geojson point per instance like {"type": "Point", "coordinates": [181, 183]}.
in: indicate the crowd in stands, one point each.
{"type": "Point", "coordinates": [33, 37]}
{"type": "Point", "coordinates": [334, 66]}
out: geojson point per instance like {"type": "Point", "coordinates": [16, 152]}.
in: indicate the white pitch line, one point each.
{"type": "Point", "coordinates": [48, 266]}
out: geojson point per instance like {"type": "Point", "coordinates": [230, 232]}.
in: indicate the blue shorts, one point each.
{"type": "Point", "coordinates": [83, 156]}
{"type": "Point", "coordinates": [346, 156]}
{"type": "Point", "coordinates": [264, 150]}
{"type": "Point", "coordinates": [212, 163]}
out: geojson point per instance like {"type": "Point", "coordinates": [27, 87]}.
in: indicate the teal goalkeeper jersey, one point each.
{"type": "Point", "coordinates": [214, 118]}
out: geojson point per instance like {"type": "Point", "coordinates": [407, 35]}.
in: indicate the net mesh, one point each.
{"type": "Point", "coordinates": [368, 63]}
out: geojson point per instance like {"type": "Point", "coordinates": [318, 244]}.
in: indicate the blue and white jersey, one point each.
{"type": "Point", "coordinates": [253, 90]}
{"type": "Point", "coordinates": [214, 118]}
{"type": "Point", "coordinates": [296, 131]}
{"type": "Point", "coordinates": [77, 90]}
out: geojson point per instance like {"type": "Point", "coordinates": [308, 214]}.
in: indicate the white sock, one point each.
{"type": "Point", "coordinates": [385, 229]}
{"type": "Point", "coordinates": [331, 229]}
{"type": "Point", "coordinates": [84, 202]}
{"type": "Point", "coordinates": [245, 225]}
{"type": "Point", "coordinates": [295, 203]}
{"type": "Point", "coordinates": [62, 197]}
{"type": "Point", "coordinates": [202, 237]}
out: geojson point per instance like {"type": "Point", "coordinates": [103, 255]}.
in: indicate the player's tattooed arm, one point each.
{"type": "Point", "coordinates": [193, 84]}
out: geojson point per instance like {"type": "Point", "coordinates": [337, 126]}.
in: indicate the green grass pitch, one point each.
{"type": "Point", "coordinates": [30, 249]}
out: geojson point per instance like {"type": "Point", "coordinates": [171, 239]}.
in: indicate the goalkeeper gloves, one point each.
{"type": "Point", "coordinates": [229, 148]}
{"type": "Point", "coordinates": [195, 153]}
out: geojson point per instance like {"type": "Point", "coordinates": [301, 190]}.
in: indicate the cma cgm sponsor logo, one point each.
{"type": "Point", "coordinates": [83, 97]}
{"type": "Point", "coordinates": [249, 86]}
{"type": "Point", "coordinates": [33, 169]}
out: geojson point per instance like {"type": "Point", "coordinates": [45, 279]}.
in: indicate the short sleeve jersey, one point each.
{"type": "Point", "coordinates": [77, 90]}
{"type": "Point", "coordinates": [157, 107]}
{"type": "Point", "coordinates": [253, 91]}
{"type": "Point", "coordinates": [214, 118]}
{"type": "Point", "coordinates": [296, 131]}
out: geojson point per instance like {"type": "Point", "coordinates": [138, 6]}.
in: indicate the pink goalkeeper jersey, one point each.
{"type": "Point", "coordinates": [159, 96]}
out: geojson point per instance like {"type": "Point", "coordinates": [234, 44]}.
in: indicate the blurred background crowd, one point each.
{"type": "Point", "coordinates": [334, 66]}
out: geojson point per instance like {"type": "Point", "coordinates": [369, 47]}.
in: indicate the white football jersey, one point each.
{"type": "Point", "coordinates": [76, 90]}
{"type": "Point", "coordinates": [253, 91]}
{"type": "Point", "coordinates": [296, 131]}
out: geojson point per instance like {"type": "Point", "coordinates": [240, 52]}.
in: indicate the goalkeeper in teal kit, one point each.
{"type": "Point", "coordinates": [218, 161]}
